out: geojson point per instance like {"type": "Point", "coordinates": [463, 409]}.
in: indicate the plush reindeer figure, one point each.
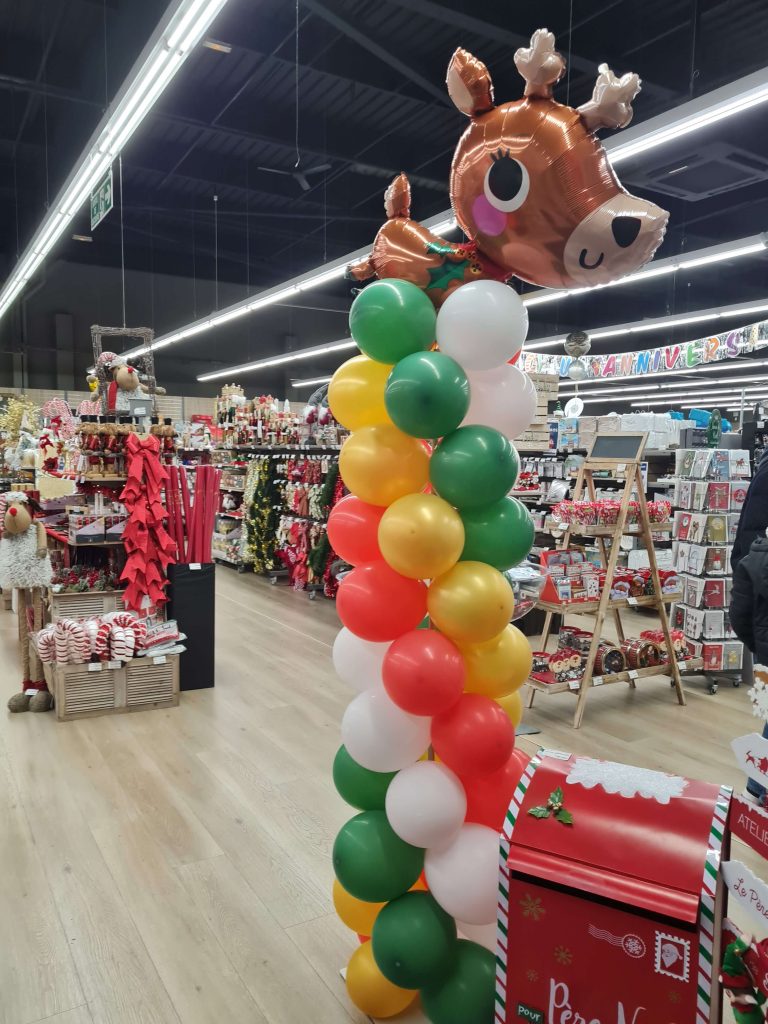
{"type": "Point", "coordinates": [530, 186]}
{"type": "Point", "coordinates": [26, 566]}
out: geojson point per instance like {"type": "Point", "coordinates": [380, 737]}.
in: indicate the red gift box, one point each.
{"type": "Point", "coordinates": [610, 901]}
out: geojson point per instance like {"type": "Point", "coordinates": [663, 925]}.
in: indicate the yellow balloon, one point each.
{"type": "Point", "coordinates": [421, 536]}
{"type": "Point", "coordinates": [356, 393]}
{"type": "Point", "coordinates": [370, 991]}
{"type": "Point", "coordinates": [499, 666]}
{"type": "Point", "coordinates": [513, 705]}
{"type": "Point", "coordinates": [380, 464]}
{"type": "Point", "coordinates": [356, 914]}
{"type": "Point", "coordinates": [471, 603]}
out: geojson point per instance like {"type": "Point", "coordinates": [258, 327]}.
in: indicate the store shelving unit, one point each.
{"type": "Point", "coordinates": [620, 453]}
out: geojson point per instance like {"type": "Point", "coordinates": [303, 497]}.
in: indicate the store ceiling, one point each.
{"type": "Point", "coordinates": [371, 102]}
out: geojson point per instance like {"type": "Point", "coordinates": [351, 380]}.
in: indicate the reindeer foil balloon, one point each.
{"type": "Point", "coordinates": [531, 187]}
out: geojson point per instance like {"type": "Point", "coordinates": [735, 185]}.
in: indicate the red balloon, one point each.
{"type": "Point", "coordinates": [423, 672]}
{"type": "Point", "coordinates": [489, 796]}
{"type": "Point", "coordinates": [474, 737]}
{"type": "Point", "coordinates": [353, 528]}
{"type": "Point", "coordinates": [363, 938]}
{"type": "Point", "coordinates": [376, 603]}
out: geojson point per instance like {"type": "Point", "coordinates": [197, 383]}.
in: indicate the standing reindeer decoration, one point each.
{"type": "Point", "coordinates": [531, 187]}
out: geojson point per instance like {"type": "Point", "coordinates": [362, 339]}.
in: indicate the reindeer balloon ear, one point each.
{"type": "Point", "coordinates": [469, 84]}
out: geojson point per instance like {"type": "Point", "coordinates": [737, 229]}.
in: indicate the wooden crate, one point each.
{"type": "Point", "coordinates": [113, 688]}
{"type": "Point", "coordinates": [76, 605]}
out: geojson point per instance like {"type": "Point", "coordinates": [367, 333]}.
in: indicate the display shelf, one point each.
{"type": "Point", "coordinates": [590, 607]}
{"type": "Point", "coordinates": [689, 665]}
{"type": "Point", "coordinates": [633, 489]}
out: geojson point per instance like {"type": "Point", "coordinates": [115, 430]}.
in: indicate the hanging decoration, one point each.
{"type": "Point", "coordinates": [149, 546]}
{"type": "Point", "coordinates": [683, 356]}
{"type": "Point", "coordinates": [531, 187]}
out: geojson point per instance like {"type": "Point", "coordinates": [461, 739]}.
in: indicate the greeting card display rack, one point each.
{"type": "Point", "coordinates": [710, 489]}
{"type": "Point", "coordinates": [620, 453]}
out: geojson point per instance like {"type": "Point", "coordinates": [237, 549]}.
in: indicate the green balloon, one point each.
{"type": "Point", "coordinates": [467, 995]}
{"type": "Point", "coordinates": [424, 624]}
{"type": "Point", "coordinates": [414, 941]}
{"type": "Point", "coordinates": [427, 394]}
{"type": "Point", "coordinates": [390, 319]}
{"type": "Point", "coordinates": [357, 785]}
{"type": "Point", "coordinates": [371, 862]}
{"type": "Point", "coordinates": [500, 534]}
{"type": "Point", "coordinates": [474, 466]}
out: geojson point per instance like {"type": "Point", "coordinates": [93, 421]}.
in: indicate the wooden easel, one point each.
{"type": "Point", "coordinates": [620, 453]}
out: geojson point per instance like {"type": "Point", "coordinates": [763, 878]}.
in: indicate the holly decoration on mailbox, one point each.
{"type": "Point", "coordinates": [553, 808]}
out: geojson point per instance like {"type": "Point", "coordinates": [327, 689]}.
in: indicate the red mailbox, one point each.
{"type": "Point", "coordinates": [610, 900]}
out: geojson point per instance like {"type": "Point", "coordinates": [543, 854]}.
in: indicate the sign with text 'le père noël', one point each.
{"type": "Point", "coordinates": [102, 199]}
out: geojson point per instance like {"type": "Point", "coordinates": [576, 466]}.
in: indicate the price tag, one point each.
{"type": "Point", "coordinates": [113, 664]}
{"type": "Point", "coordinates": [632, 601]}
{"type": "Point", "coordinates": [95, 666]}
{"type": "Point", "coordinates": [195, 565]}
{"type": "Point", "coordinates": [633, 673]}
{"type": "Point", "coordinates": [574, 684]}
{"type": "Point", "coordinates": [597, 680]}
{"type": "Point", "coordinates": [160, 659]}
{"type": "Point", "coordinates": [560, 755]}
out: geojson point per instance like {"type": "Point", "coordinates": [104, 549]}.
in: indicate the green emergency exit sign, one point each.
{"type": "Point", "coordinates": [101, 200]}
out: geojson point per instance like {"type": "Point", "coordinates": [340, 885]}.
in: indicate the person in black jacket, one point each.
{"type": "Point", "coordinates": [749, 614]}
{"type": "Point", "coordinates": [754, 515]}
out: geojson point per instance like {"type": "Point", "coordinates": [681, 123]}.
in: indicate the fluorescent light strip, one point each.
{"type": "Point", "coordinates": [703, 257]}
{"type": "Point", "coordinates": [314, 382]}
{"type": "Point", "coordinates": [656, 324]}
{"type": "Point", "coordinates": [732, 99]}
{"type": "Point", "coordinates": [289, 357]}
{"type": "Point", "coordinates": [715, 383]}
{"type": "Point", "coordinates": [179, 30]}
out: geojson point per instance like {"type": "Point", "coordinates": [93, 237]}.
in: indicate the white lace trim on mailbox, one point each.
{"type": "Point", "coordinates": [625, 780]}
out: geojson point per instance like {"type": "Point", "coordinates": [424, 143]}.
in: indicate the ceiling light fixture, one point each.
{"type": "Point", "coordinates": [669, 265]}
{"type": "Point", "coordinates": [289, 357]}
{"type": "Point", "coordinates": [726, 102]}
{"type": "Point", "coordinates": [658, 323]}
{"type": "Point", "coordinates": [170, 45]}
{"type": "Point", "coordinates": [313, 382]}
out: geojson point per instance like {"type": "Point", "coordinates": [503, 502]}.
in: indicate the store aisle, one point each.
{"type": "Point", "coordinates": [174, 866]}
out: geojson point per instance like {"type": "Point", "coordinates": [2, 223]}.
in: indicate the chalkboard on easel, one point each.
{"type": "Point", "coordinates": [618, 447]}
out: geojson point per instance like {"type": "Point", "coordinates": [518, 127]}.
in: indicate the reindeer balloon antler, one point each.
{"type": "Point", "coordinates": [531, 187]}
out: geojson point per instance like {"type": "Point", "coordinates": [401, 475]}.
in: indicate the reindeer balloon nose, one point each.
{"type": "Point", "coordinates": [531, 187]}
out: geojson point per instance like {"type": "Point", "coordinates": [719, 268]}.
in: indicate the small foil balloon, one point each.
{"type": "Point", "coordinates": [577, 370]}
{"type": "Point", "coordinates": [527, 582]}
{"type": "Point", "coordinates": [577, 344]}
{"type": "Point", "coordinates": [531, 187]}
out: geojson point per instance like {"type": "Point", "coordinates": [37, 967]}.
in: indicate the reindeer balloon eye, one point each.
{"type": "Point", "coordinates": [506, 183]}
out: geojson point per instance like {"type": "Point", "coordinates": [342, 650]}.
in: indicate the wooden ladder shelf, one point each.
{"type": "Point", "coordinates": [585, 486]}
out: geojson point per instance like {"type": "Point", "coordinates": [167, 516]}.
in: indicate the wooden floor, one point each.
{"type": "Point", "coordinates": [173, 867]}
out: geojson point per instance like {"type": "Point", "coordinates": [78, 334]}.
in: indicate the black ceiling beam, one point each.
{"type": "Point", "coordinates": [64, 7]}
{"type": "Point", "coordinates": [14, 83]}
{"type": "Point", "coordinates": [442, 13]}
{"type": "Point", "coordinates": [353, 33]}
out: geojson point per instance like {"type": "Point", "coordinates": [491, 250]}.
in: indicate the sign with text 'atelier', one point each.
{"type": "Point", "coordinates": [102, 200]}
{"type": "Point", "coordinates": [750, 824]}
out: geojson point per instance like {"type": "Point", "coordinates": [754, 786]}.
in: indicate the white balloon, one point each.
{"type": "Point", "coordinates": [463, 876]}
{"type": "Point", "coordinates": [426, 804]}
{"type": "Point", "coordinates": [504, 399]}
{"type": "Point", "coordinates": [358, 662]}
{"type": "Point", "coordinates": [381, 737]}
{"type": "Point", "coordinates": [482, 934]}
{"type": "Point", "coordinates": [482, 325]}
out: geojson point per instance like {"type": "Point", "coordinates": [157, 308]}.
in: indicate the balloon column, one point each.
{"type": "Point", "coordinates": [428, 757]}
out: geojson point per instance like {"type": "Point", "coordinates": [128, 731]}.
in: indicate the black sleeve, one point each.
{"type": "Point", "coordinates": [742, 606]}
{"type": "Point", "coordinates": [753, 520]}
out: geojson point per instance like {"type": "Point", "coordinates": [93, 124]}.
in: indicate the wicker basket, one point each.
{"type": "Point", "coordinates": [79, 605]}
{"type": "Point", "coordinates": [111, 688]}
